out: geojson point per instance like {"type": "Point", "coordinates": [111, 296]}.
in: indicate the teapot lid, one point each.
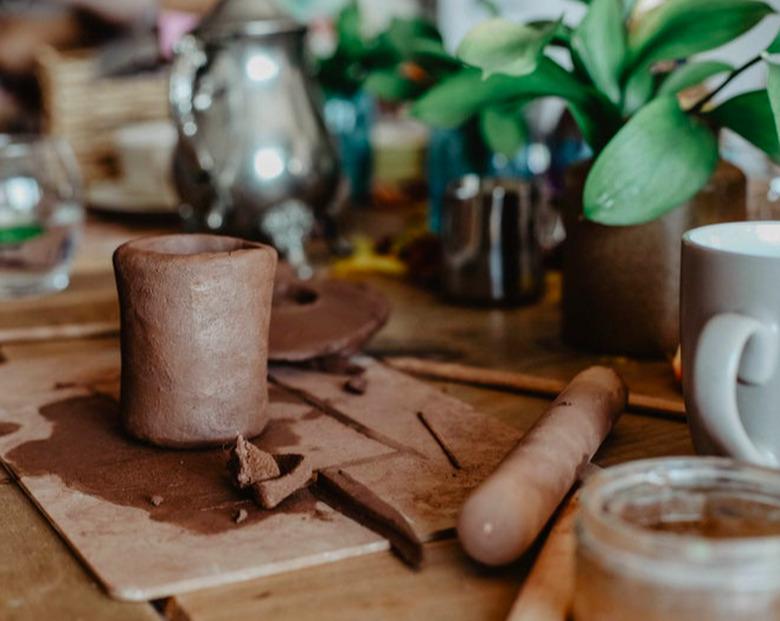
{"type": "Point", "coordinates": [249, 17]}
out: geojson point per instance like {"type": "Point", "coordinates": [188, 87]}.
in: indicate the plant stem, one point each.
{"type": "Point", "coordinates": [697, 107]}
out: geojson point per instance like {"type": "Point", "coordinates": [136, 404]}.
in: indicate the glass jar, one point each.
{"type": "Point", "coordinates": [679, 538]}
{"type": "Point", "coordinates": [40, 214]}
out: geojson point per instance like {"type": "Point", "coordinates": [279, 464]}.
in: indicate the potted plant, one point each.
{"type": "Point", "coordinates": [655, 170]}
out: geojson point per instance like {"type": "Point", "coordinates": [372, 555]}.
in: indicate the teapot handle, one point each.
{"type": "Point", "coordinates": [190, 58]}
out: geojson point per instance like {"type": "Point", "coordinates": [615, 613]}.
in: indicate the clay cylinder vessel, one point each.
{"type": "Point", "coordinates": [195, 311]}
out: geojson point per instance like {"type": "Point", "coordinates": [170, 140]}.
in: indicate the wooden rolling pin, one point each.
{"type": "Point", "coordinates": [506, 512]}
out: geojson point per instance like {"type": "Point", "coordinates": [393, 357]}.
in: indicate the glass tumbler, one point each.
{"type": "Point", "coordinates": [40, 214]}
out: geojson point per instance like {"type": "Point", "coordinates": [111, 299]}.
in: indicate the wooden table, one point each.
{"type": "Point", "coordinates": [40, 578]}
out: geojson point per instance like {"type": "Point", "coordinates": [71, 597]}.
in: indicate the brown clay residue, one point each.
{"type": "Point", "coordinates": [312, 414]}
{"type": "Point", "coordinates": [90, 453]}
{"type": "Point", "coordinates": [8, 428]}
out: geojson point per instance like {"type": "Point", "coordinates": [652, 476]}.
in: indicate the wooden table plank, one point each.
{"type": "Point", "coordinates": [369, 588]}
{"type": "Point", "coordinates": [451, 587]}
{"type": "Point", "coordinates": [41, 579]}
{"type": "Point", "coordinates": [525, 339]}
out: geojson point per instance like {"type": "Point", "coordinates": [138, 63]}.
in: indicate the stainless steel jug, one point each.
{"type": "Point", "coordinates": [254, 158]}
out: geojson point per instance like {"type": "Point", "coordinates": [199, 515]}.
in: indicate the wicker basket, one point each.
{"type": "Point", "coordinates": [85, 109]}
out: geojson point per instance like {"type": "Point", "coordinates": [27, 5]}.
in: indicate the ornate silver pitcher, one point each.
{"type": "Point", "coordinates": [254, 158]}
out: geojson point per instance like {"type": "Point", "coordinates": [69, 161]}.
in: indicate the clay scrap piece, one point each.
{"type": "Point", "coordinates": [353, 499]}
{"type": "Point", "coordinates": [319, 318]}
{"type": "Point", "coordinates": [271, 478]}
{"type": "Point", "coordinates": [240, 515]}
{"type": "Point", "coordinates": [156, 500]}
{"type": "Point", "coordinates": [356, 385]}
{"type": "Point", "coordinates": [249, 465]}
{"type": "Point", "coordinates": [296, 474]}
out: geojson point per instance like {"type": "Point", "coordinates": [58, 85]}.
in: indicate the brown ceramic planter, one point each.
{"type": "Point", "coordinates": [621, 284]}
{"type": "Point", "coordinates": [195, 311]}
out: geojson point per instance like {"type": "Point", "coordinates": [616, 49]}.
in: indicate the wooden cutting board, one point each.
{"type": "Point", "coordinates": [151, 522]}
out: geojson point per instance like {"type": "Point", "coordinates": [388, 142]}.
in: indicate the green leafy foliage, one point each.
{"type": "Point", "coordinates": [600, 43]}
{"type": "Point", "coordinates": [773, 93]}
{"type": "Point", "coordinates": [774, 46]}
{"type": "Point", "coordinates": [639, 89]}
{"type": "Point", "coordinates": [348, 31]}
{"type": "Point", "coordinates": [656, 162]}
{"type": "Point", "coordinates": [680, 28]}
{"type": "Point", "coordinates": [391, 85]}
{"type": "Point", "coordinates": [503, 129]}
{"type": "Point", "coordinates": [692, 74]}
{"type": "Point", "coordinates": [750, 115]}
{"type": "Point", "coordinates": [501, 46]}
{"type": "Point", "coordinates": [462, 95]}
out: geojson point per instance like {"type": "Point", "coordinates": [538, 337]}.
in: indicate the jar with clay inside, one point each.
{"type": "Point", "coordinates": [679, 538]}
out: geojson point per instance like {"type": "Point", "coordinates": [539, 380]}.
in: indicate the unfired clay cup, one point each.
{"type": "Point", "coordinates": [195, 311]}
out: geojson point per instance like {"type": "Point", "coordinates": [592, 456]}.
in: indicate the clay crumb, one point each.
{"type": "Point", "coordinates": [249, 465]}
{"type": "Point", "coordinates": [356, 385]}
{"type": "Point", "coordinates": [156, 500]}
{"type": "Point", "coordinates": [240, 515]}
{"type": "Point", "coordinates": [296, 473]}
{"type": "Point", "coordinates": [565, 403]}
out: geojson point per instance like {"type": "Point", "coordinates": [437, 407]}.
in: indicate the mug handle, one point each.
{"type": "Point", "coordinates": [733, 348]}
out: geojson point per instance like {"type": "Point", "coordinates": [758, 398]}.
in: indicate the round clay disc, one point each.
{"type": "Point", "coordinates": [322, 317]}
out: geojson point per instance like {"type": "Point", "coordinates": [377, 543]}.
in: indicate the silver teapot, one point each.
{"type": "Point", "coordinates": [254, 158]}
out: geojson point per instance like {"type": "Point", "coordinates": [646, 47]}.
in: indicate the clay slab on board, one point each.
{"type": "Point", "coordinates": [97, 487]}
{"type": "Point", "coordinates": [420, 482]}
{"type": "Point", "coordinates": [151, 522]}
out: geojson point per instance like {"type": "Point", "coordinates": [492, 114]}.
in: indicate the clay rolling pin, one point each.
{"type": "Point", "coordinates": [506, 513]}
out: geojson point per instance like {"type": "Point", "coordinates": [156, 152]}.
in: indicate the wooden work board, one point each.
{"type": "Point", "coordinates": [151, 522]}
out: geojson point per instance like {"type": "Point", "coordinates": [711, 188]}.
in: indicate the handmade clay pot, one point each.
{"type": "Point", "coordinates": [621, 284]}
{"type": "Point", "coordinates": [195, 311]}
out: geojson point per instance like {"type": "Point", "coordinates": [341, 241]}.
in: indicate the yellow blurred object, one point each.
{"type": "Point", "coordinates": [365, 260]}
{"type": "Point", "coordinates": [677, 365]}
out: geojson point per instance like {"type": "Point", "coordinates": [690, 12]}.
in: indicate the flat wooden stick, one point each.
{"type": "Point", "coordinates": [62, 331]}
{"type": "Point", "coordinates": [519, 382]}
{"type": "Point", "coordinates": [548, 591]}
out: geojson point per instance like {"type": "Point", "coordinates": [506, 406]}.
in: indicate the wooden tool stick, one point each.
{"type": "Point", "coordinates": [546, 594]}
{"type": "Point", "coordinates": [519, 382]}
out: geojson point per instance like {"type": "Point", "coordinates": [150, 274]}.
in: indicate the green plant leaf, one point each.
{"type": "Point", "coordinates": [692, 74]}
{"type": "Point", "coordinates": [656, 162]}
{"type": "Point", "coordinates": [458, 97]}
{"type": "Point", "coordinates": [503, 129]}
{"type": "Point", "coordinates": [773, 92]}
{"type": "Point", "coordinates": [350, 39]}
{"type": "Point", "coordinates": [562, 34]}
{"type": "Point", "coordinates": [600, 42]}
{"type": "Point", "coordinates": [638, 89]}
{"type": "Point", "coordinates": [18, 234]}
{"type": "Point", "coordinates": [390, 85]}
{"type": "Point", "coordinates": [405, 33]}
{"type": "Point", "coordinates": [501, 46]}
{"type": "Point", "coordinates": [750, 115]}
{"type": "Point", "coordinates": [774, 47]}
{"type": "Point", "coordinates": [677, 29]}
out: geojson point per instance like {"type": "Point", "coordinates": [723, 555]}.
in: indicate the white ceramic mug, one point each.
{"type": "Point", "coordinates": [730, 313]}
